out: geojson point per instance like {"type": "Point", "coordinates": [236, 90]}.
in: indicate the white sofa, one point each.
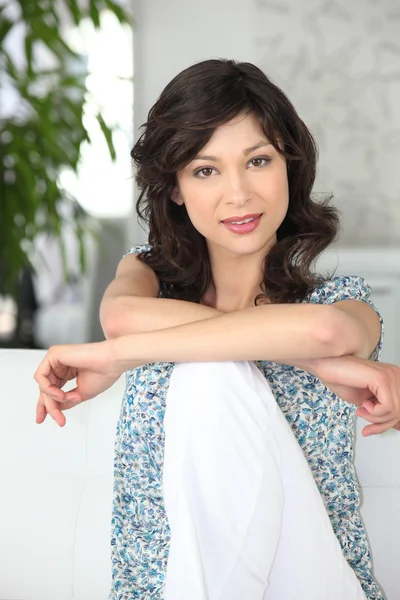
{"type": "Point", "coordinates": [56, 493]}
{"type": "Point", "coordinates": [56, 490]}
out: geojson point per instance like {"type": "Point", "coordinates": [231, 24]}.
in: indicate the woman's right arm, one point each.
{"type": "Point", "coordinates": [130, 303]}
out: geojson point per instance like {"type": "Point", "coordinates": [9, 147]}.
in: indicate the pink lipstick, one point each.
{"type": "Point", "coordinates": [236, 224]}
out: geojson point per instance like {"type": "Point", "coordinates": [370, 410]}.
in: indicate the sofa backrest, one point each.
{"type": "Point", "coordinates": [55, 505]}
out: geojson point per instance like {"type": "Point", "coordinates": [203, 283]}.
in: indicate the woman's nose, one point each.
{"type": "Point", "coordinates": [237, 190]}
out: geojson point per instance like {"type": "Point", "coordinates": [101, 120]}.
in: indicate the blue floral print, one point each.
{"type": "Point", "coordinates": [322, 423]}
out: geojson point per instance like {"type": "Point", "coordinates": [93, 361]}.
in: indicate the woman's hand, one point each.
{"type": "Point", "coordinates": [90, 364]}
{"type": "Point", "coordinates": [376, 389]}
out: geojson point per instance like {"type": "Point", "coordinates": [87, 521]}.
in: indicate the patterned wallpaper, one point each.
{"type": "Point", "coordinates": [339, 63]}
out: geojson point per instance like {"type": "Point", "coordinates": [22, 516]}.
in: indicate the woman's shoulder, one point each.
{"type": "Point", "coordinates": [138, 248]}
{"type": "Point", "coordinates": [341, 287]}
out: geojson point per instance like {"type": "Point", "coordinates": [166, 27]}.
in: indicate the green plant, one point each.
{"type": "Point", "coordinates": [44, 136]}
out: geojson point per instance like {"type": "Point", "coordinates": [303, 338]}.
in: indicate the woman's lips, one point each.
{"type": "Point", "coordinates": [245, 228]}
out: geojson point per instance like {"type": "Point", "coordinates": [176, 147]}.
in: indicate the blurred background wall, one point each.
{"type": "Point", "coordinates": [339, 64]}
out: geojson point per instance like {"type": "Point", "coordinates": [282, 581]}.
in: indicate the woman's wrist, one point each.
{"type": "Point", "coordinates": [331, 369]}
{"type": "Point", "coordinates": [123, 353]}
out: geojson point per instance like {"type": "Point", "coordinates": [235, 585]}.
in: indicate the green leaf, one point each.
{"type": "Point", "coordinates": [107, 132]}
{"type": "Point", "coordinates": [25, 175]}
{"type": "Point", "coordinates": [72, 81]}
{"type": "Point", "coordinates": [94, 13]}
{"type": "Point", "coordinates": [32, 10]}
{"type": "Point", "coordinates": [11, 69]}
{"type": "Point", "coordinates": [5, 26]}
{"type": "Point", "coordinates": [86, 136]}
{"type": "Point", "coordinates": [51, 38]}
{"type": "Point", "coordinates": [76, 14]}
{"type": "Point", "coordinates": [80, 234]}
{"type": "Point", "coordinates": [68, 49]}
{"type": "Point", "coordinates": [29, 52]}
{"type": "Point", "coordinates": [122, 15]}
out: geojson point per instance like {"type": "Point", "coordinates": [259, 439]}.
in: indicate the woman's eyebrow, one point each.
{"type": "Point", "coordinates": [245, 152]}
{"type": "Point", "coordinates": [256, 147]}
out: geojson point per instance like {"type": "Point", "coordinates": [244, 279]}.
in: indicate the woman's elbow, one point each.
{"type": "Point", "coordinates": [345, 335]}
{"type": "Point", "coordinates": [112, 317]}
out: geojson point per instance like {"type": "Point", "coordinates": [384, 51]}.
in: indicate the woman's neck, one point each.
{"type": "Point", "coordinates": [229, 302]}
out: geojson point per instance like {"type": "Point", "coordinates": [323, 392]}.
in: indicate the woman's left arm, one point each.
{"type": "Point", "coordinates": [271, 332]}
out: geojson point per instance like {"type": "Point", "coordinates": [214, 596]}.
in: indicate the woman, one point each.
{"type": "Point", "coordinates": [213, 495]}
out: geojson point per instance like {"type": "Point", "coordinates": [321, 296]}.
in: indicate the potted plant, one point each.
{"type": "Point", "coordinates": [42, 136]}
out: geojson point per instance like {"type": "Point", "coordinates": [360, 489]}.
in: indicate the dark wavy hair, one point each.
{"type": "Point", "coordinates": [198, 100]}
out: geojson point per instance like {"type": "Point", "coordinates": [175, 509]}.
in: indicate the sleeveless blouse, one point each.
{"type": "Point", "coordinates": [323, 424]}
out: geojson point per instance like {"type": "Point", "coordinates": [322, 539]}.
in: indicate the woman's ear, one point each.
{"type": "Point", "coordinates": [176, 197]}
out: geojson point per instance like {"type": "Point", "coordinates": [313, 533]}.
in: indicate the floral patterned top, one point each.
{"type": "Point", "coordinates": [322, 423]}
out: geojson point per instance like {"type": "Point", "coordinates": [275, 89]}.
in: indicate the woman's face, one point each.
{"type": "Point", "coordinates": [237, 173]}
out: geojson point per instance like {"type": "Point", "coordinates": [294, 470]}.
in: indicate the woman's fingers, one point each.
{"type": "Point", "coordinates": [382, 381]}
{"type": "Point", "coordinates": [52, 374]}
{"type": "Point", "coordinates": [386, 407]}
{"type": "Point", "coordinates": [73, 397]}
{"type": "Point", "coordinates": [377, 428]}
{"type": "Point", "coordinates": [379, 409]}
{"type": "Point", "coordinates": [373, 418]}
{"type": "Point", "coordinates": [48, 405]}
{"type": "Point", "coordinates": [53, 409]}
{"type": "Point", "coordinates": [45, 379]}
{"type": "Point", "coordinates": [386, 404]}
{"type": "Point", "coordinates": [41, 411]}
{"type": "Point", "coordinates": [369, 405]}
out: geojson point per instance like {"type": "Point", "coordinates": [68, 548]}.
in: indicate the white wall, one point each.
{"type": "Point", "coordinates": [171, 35]}
{"type": "Point", "coordinates": [339, 63]}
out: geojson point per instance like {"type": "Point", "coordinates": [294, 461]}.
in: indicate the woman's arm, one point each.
{"type": "Point", "coordinates": [130, 305]}
{"type": "Point", "coordinates": [133, 314]}
{"type": "Point", "coordinates": [151, 314]}
{"type": "Point", "coordinates": [133, 280]}
{"type": "Point", "coordinates": [266, 332]}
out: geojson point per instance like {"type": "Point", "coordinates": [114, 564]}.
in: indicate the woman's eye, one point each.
{"type": "Point", "coordinates": [257, 162]}
{"type": "Point", "coordinates": [204, 172]}
{"type": "Point", "coordinates": [260, 162]}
